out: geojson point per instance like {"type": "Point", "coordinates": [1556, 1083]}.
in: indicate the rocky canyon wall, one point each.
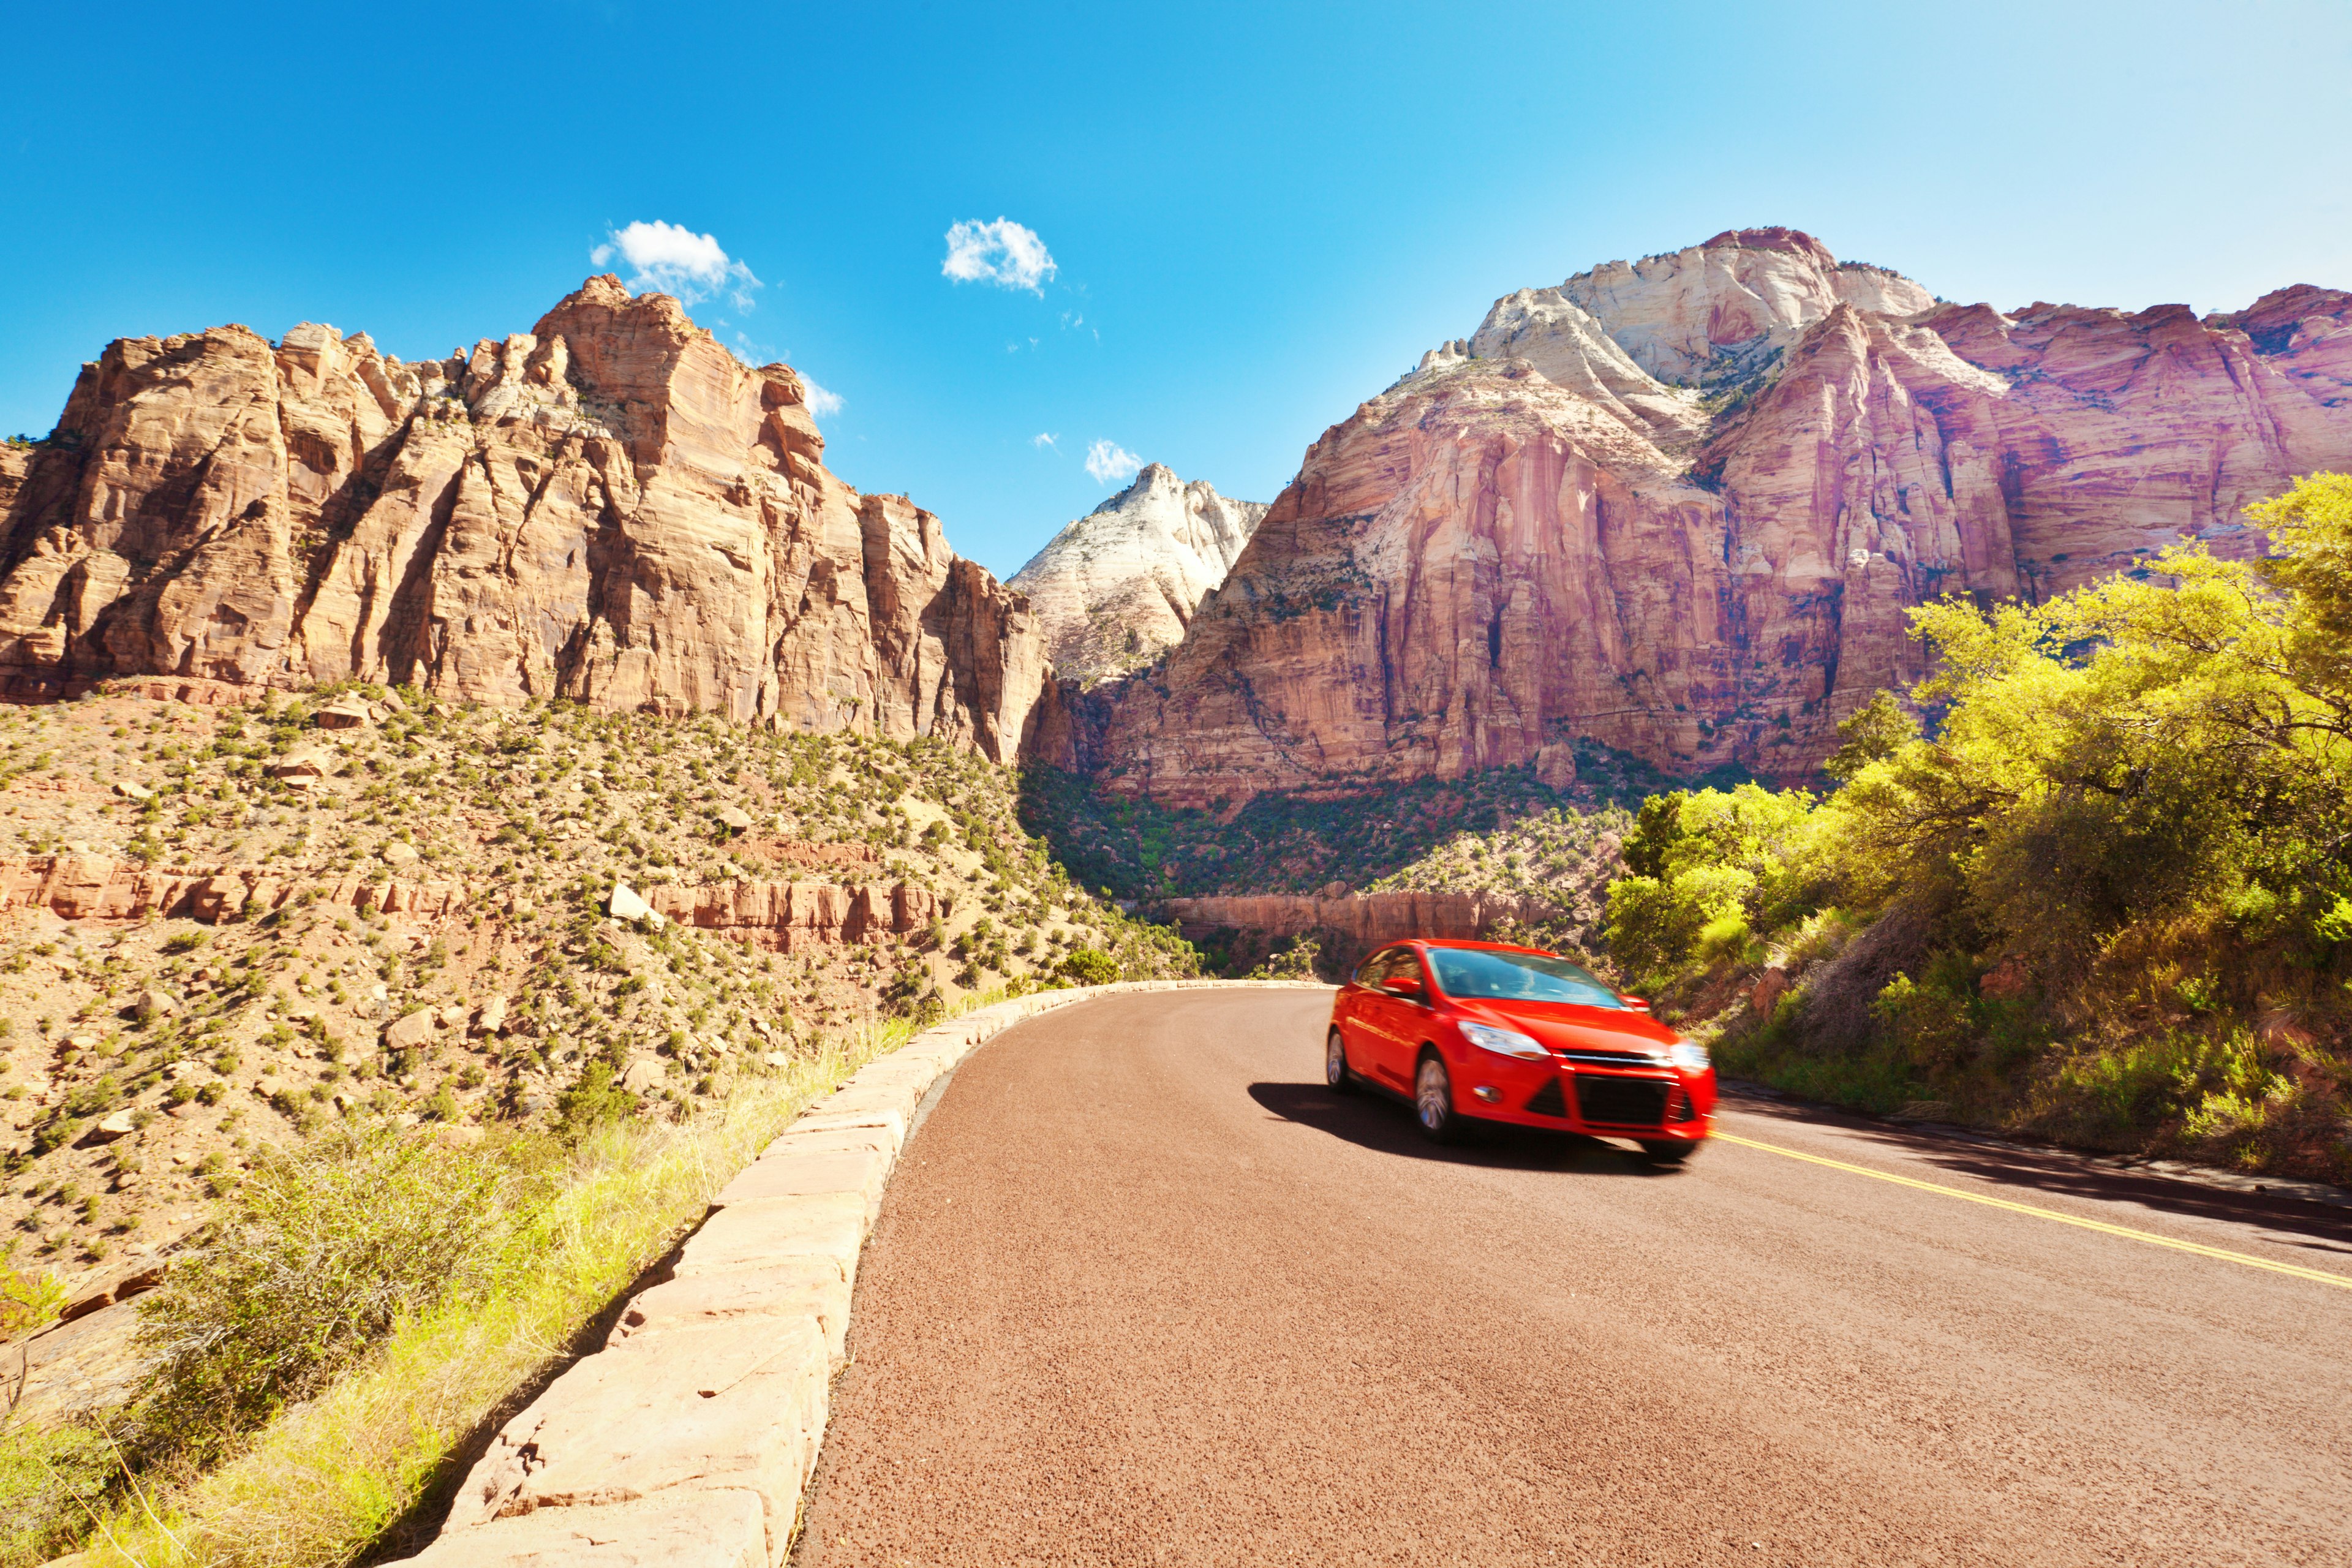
{"type": "Point", "coordinates": [1351, 925]}
{"type": "Point", "coordinates": [610, 507]}
{"type": "Point", "coordinates": [1537, 535]}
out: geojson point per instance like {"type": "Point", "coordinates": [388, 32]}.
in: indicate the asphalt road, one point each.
{"type": "Point", "coordinates": [1145, 1291]}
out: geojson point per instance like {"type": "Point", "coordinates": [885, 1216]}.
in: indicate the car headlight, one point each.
{"type": "Point", "coordinates": [1691, 1057]}
{"type": "Point", "coordinates": [1504, 1042]}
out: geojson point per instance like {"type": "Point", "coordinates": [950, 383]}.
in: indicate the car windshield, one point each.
{"type": "Point", "coordinates": [1518, 977]}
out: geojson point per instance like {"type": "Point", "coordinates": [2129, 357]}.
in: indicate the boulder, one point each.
{"type": "Point", "coordinates": [398, 853]}
{"type": "Point", "coordinates": [119, 1124]}
{"type": "Point", "coordinates": [491, 1017]}
{"type": "Point", "coordinates": [734, 819]}
{"type": "Point", "coordinates": [156, 1003]}
{"type": "Point", "coordinates": [345, 714]}
{"type": "Point", "coordinates": [644, 1074]}
{"type": "Point", "coordinates": [308, 763]}
{"type": "Point", "coordinates": [129, 789]}
{"type": "Point", "coordinates": [409, 1031]}
{"type": "Point", "coordinates": [625, 905]}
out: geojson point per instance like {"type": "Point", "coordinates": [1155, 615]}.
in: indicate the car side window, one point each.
{"type": "Point", "coordinates": [1375, 969]}
{"type": "Point", "coordinates": [1412, 970]}
{"type": "Point", "coordinates": [1406, 964]}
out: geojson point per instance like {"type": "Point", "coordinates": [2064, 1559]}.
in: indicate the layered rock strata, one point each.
{"type": "Point", "coordinates": [1114, 589]}
{"type": "Point", "coordinates": [1502, 553]}
{"type": "Point", "coordinates": [790, 917]}
{"type": "Point", "coordinates": [1352, 924]}
{"type": "Point", "coordinates": [610, 507]}
{"type": "Point", "coordinates": [781, 917]}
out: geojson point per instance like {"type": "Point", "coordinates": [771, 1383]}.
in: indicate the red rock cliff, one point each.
{"type": "Point", "coordinates": [1534, 538]}
{"type": "Point", "coordinates": [610, 507]}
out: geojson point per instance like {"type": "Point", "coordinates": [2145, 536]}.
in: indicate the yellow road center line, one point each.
{"type": "Point", "coordinates": [2324, 1278]}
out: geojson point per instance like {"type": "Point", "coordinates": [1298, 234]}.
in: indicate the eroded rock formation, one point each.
{"type": "Point", "coordinates": [1351, 925]}
{"type": "Point", "coordinates": [610, 507]}
{"type": "Point", "coordinates": [1118, 586]}
{"type": "Point", "coordinates": [1534, 537]}
{"type": "Point", "coordinates": [781, 917]}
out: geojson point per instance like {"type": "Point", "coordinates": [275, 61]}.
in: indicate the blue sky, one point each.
{"type": "Point", "coordinates": [1258, 215]}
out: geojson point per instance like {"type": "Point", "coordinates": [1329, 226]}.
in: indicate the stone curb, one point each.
{"type": "Point", "coordinates": [690, 1437]}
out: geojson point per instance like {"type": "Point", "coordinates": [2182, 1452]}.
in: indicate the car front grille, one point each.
{"type": "Point", "coordinates": [1622, 1101]}
{"type": "Point", "coordinates": [1612, 1058]}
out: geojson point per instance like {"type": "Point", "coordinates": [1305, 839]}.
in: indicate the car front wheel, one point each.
{"type": "Point", "coordinates": [1667, 1153]}
{"type": "Point", "coordinates": [1336, 1071]}
{"type": "Point", "coordinates": [1432, 1101]}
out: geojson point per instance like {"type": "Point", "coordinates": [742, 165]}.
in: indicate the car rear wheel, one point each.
{"type": "Point", "coordinates": [1336, 1071]}
{"type": "Point", "coordinates": [1667, 1153]}
{"type": "Point", "coordinates": [1432, 1101]}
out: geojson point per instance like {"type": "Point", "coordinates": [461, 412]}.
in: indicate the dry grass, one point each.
{"type": "Point", "coordinates": [326, 1480]}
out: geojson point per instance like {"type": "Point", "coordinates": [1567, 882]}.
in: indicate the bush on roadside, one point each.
{"type": "Point", "coordinates": [321, 1252]}
{"type": "Point", "coordinates": [2110, 874]}
{"type": "Point", "coordinates": [1090, 966]}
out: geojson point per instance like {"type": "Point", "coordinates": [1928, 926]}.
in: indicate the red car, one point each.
{"type": "Point", "coordinates": [1478, 1031]}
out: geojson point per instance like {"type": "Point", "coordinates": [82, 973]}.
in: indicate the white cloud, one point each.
{"type": "Point", "coordinates": [822, 404]}
{"type": "Point", "coordinates": [1108, 462]}
{"type": "Point", "coordinates": [1004, 253]}
{"type": "Point", "coordinates": [676, 260]}
{"type": "Point", "coordinates": [1045, 441]}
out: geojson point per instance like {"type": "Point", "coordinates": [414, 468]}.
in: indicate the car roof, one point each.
{"type": "Point", "coordinates": [1475, 946]}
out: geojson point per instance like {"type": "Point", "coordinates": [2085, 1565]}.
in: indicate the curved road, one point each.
{"type": "Point", "coordinates": [1143, 1292]}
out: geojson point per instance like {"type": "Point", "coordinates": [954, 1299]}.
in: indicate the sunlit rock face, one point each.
{"type": "Point", "coordinates": [610, 507]}
{"type": "Point", "coordinates": [1694, 315]}
{"type": "Point", "coordinates": [1537, 536]}
{"type": "Point", "coordinates": [1116, 588]}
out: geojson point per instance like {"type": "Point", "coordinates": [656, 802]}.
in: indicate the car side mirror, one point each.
{"type": "Point", "coordinates": [1402, 986]}
{"type": "Point", "coordinates": [1636, 1003]}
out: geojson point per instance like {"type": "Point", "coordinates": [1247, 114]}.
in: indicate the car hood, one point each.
{"type": "Point", "coordinates": [1565, 1025]}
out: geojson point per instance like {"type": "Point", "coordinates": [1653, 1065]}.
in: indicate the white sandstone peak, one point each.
{"type": "Point", "coordinates": [1118, 585]}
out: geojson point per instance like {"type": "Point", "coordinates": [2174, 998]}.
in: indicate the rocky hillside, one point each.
{"type": "Point", "coordinates": [610, 509]}
{"type": "Point", "coordinates": [1682, 506]}
{"type": "Point", "coordinates": [1116, 588]}
{"type": "Point", "coordinates": [228, 920]}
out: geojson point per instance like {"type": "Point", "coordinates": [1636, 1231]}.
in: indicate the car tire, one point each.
{"type": "Point", "coordinates": [1336, 1074]}
{"type": "Point", "coordinates": [1660, 1152]}
{"type": "Point", "coordinates": [1433, 1101]}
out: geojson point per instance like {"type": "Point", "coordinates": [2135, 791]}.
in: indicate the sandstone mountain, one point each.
{"type": "Point", "coordinates": [1114, 589]}
{"type": "Point", "coordinates": [610, 507]}
{"type": "Point", "coordinates": [1536, 537]}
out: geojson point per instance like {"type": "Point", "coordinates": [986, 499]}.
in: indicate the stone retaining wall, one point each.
{"type": "Point", "coordinates": [690, 1437]}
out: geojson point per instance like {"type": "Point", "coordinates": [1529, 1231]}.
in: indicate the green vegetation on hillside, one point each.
{"type": "Point", "coordinates": [287, 1101]}
{"type": "Point", "coordinates": [2108, 900]}
{"type": "Point", "coordinates": [1291, 843]}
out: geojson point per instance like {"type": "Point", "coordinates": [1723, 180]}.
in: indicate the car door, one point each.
{"type": "Point", "coordinates": [1394, 1016]}
{"type": "Point", "coordinates": [1355, 1018]}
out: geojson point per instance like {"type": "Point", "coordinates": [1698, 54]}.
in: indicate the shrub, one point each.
{"type": "Point", "coordinates": [1090, 966]}
{"type": "Point", "coordinates": [1295, 961]}
{"type": "Point", "coordinates": [320, 1254]}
